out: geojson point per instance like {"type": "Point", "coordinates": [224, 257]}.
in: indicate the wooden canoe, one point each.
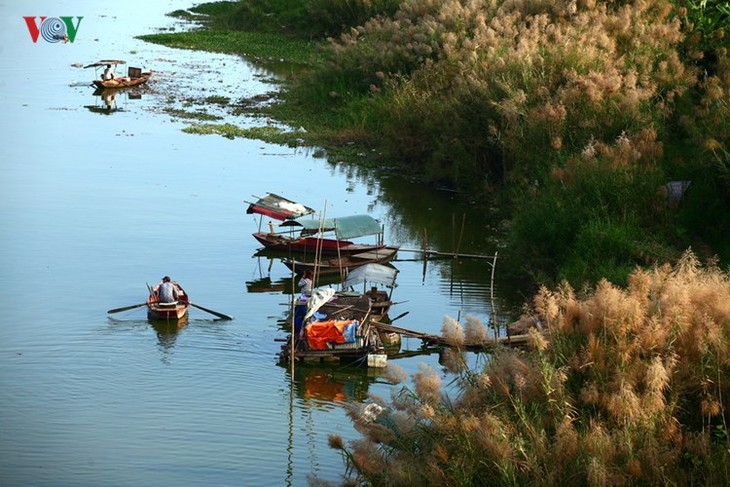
{"type": "Point", "coordinates": [168, 311]}
{"type": "Point", "coordinates": [121, 82]}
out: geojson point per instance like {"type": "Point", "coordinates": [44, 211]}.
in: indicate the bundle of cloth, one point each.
{"type": "Point", "coordinates": [320, 333]}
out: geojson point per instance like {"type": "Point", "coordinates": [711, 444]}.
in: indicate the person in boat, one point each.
{"type": "Point", "coordinates": [305, 283]}
{"type": "Point", "coordinates": [108, 73]}
{"type": "Point", "coordinates": [167, 291]}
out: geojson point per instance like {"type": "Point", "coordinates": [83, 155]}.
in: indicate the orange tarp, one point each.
{"type": "Point", "coordinates": [320, 333]}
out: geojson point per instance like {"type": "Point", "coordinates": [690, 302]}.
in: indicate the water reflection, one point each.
{"type": "Point", "coordinates": [106, 99]}
{"type": "Point", "coordinates": [269, 265]}
{"type": "Point", "coordinates": [167, 331]}
{"type": "Point", "coordinates": [319, 389]}
{"type": "Point", "coordinates": [322, 385]}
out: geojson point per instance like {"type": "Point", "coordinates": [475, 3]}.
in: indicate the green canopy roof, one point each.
{"type": "Point", "coordinates": [345, 227]}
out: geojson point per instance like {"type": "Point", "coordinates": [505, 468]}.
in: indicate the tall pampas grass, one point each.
{"type": "Point", "coordinates": [622, 386]}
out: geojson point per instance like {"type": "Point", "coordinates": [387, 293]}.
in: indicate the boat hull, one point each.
{"type": "Point", "coordinates": [121, 82]}
{"type": "Point", "coordinates": [311, 245]}
{"type": "Point", "coordinates": [167, 313]}
{"type": "Point", "coordinates": [337, 265]}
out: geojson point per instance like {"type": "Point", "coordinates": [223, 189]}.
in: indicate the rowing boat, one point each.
{"type": "Point", "coordinates": [135, 76]}
{"type": "Point", "coordinates": [122, 82]}
{"type": "Point", "coordinates": [177, 310]}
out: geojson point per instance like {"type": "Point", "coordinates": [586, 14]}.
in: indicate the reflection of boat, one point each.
{"type": "Point", "coordinates": [341, 265]}
{"type": "Point", "coordinates": [283, 285]}
{"type": "Point", "coordinates": [167, 330]}
{"type": "Point", "coordinates": [304, 234]}
{"type": "Point", "coordinates": [135, 76]}
{"type": "Point", "coordinates": [330, 384]}
{"type": "Point", "coordinates": [266, 285]}
{"type": "Point", "coordinates": [174, 311]}
{"type": "Point", "coordinates": [108, 97]}
{"type": "Point", "coordinates": [330, 325]}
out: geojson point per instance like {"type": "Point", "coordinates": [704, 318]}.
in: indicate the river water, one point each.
{"type": "Point", "coordinates": [96, 201]}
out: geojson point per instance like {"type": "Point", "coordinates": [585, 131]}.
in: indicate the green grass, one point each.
{"type": "Point", "coordinates": [254, 46]}
{"type": "Point", "coordinates": [176, 112]}
{"type": "Point", "coordinates": [273, 135]}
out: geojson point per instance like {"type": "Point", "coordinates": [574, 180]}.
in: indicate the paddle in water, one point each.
{"type": "Point", "coordinates": [126, 308]}
{"type": "Point", "coordinates": [215, 313]}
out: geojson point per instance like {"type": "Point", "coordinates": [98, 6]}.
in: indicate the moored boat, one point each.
{"type": "Point", "coordinates": [278, 208]}
{"type": "Point", "coordinates": [373, 274]}
{"type": "Point", "coordinates": [339, 325]}
{"type": "Point", "coordinates": [330, 327]}
{"type": "Point", "coordinates": [342, 265]}
{"type": "Point", "coordinates": [301, 233]}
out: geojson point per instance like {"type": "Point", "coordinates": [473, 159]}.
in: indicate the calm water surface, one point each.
{"type": "Point", "coordinates": [96, 203]}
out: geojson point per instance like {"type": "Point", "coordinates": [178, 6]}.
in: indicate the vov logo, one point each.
{"type": "Point", "coordinates": [53, 29]}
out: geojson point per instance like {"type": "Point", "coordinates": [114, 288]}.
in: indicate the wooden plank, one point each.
{"type": "Point", "coordinates": [514, 340]}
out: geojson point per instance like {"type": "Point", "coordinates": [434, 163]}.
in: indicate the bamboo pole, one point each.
{"type": "Point", "coordinates": [320, 245]}
{"type": "Point", "coordinates": [461, 234]}
{"type": "Point", "coordinates": [428, 252]}
{"type": "Point", "coordinates": [293, 328]}
{"type": "Point", "coordinates": [453, 228]}
{"type": "Point", "coordinates": [491, 296]}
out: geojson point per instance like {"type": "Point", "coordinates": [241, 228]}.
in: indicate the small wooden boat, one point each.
{"type": "Point", "coordinates": [278, 208]}
{"type": "Point", "coordinates": [174, 311]}
{"type": "Point", "coordinates": [122, 82]}
{"type": "Point", "coordinates": [341, 265]}
{"type": "Point", "coordinates": [330, 327]}
{"type": "Point", "coordinates": [303, 234]}
{"type": "Point", "coordinates": [310, 245]}
{"type": "Point", "coordinates": [135, 76]}
{"type": "Point", "coordinates": [339, 325]}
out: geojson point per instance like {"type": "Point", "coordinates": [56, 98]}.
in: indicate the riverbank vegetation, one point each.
{"type": "Point", "coordinates": [576, 116]}
{"type": "Point", "coordinates": [603, 131]}
{"type": "Point", "coordinates": [618, 387]}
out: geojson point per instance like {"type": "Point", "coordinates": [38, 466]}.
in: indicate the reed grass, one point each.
{"type": "Point", "coordinates": [619, 386]}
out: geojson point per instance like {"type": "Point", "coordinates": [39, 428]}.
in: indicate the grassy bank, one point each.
{"type": "Point", "coordinates": [574, 116]}
{"type": "Point", "coordinates": [258, 47]}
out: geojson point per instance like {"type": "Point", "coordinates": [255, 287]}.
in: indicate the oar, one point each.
{"type": "Point", "coordinates": [219, 315]}
{"type": "Point", "coordinates": [399, 316]}
{"type": "Point", "coordinates": [119, 310]}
